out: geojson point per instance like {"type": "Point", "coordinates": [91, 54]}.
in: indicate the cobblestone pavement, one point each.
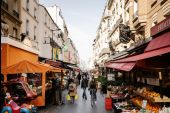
{"type": "Point", "coordinates": [80, 106]}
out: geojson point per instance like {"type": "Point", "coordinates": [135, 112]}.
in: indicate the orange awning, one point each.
{"type": "Point", "coordinates": [53, 69]}
{"type": "Point", "coordinates": [28, 67]}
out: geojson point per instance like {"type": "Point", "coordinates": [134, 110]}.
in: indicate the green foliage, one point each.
{"type": "Point", "coordinates": [103, 80]}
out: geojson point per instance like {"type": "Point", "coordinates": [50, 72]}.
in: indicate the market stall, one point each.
{"type": "Point", "coordinates": [149, 73]}
{"type": "Point", "coordinates": [35, 68]}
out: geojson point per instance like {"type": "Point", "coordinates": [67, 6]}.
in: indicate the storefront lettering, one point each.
{"type": "Point", "coordinates": [165, 24]}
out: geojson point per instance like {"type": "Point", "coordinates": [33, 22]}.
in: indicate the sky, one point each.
{"type": "Point", "coordinates": [82, 18]}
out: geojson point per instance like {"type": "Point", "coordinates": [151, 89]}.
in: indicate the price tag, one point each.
{"type": "Point", "coordinates": [144, 103]}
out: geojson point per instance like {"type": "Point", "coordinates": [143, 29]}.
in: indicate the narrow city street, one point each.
{"type": "Point", "coordinates": [118, 47]}
{"type": "Point", "coordinates": [80, 106]}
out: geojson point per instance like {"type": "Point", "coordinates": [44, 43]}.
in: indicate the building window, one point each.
{"type": "Point", "coordinates": [27, 5]}
{"type": "Point", "coordinates": [45, 19]}
{"type": "Point", "coordinates": [14, 32]}
{"type": "Point", "coordinates": [4, 4]}
{"type": "Point", "coordinates": [153, 2]}
{"type": "Point", "coordinates": [35, 32]}
{"type": "Point", "coordinates": [27, 27]}
{"type": "Point", "coordinates": [49, 21]}
{"type": "Point", "coordinates": [45, 34]}
{"type": "Point", "coordinates": [16, 5]}
{"type": "Point", "coordinates": [108, 24]}
{"type": "Point", "coordinates": [15, 9]}
{"type": "Point", "coordinates": [163, 1]}
{"type": "Point", "coordinates": [135, 9]}
{"type": "Point", "coordinates": [35, 11]}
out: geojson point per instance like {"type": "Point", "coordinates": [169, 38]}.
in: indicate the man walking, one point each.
{"type": "Point", "coordinates": [79, 77]}
{"type": "Point", "coordinates": [84, 85]}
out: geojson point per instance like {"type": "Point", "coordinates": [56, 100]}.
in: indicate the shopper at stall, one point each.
{"type": "Point", "coordinates": [84, 85]}
{"type": "Point", "coordinates": [72, 90]}
{"type": "Point", "coordinates": [53, 79]}
{"type": "Point", "coordinates": [58, 90]}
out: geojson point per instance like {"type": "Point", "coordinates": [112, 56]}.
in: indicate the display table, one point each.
{"type": "Point", "coordinates": [123, 107]}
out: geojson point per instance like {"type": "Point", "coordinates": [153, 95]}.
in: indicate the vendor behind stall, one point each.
{"type": "Point", "coordinates": [56, 90]}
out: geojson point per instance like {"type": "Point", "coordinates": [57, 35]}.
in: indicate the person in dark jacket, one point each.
{"type": "Point", "coordinates": [54, 90]}
{"type": "Point", "coordinates": [84, 85]}
{"type": "Point", "coordinates": [79, 77]}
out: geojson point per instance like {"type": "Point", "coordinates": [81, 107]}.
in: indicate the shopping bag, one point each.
{"type": "Point", "coordinates": [76, 97]}
{"type": "Point", "coordinates": [68, 97]}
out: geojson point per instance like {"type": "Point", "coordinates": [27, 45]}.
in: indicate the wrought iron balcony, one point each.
{"type": "Point", "coordinates": [15, 13]}
{"type": "Point", "coordinates": [54, 44]}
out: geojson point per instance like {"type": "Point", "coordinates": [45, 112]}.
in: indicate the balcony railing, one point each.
{"type": "Point", "coordinates": [4, 5]}
{"type": "Point", "coordinates": [53, 43]}
{"type": "Point", "coordinates": [15, 13]}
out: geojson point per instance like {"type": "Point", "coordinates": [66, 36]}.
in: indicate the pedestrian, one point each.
{"type": "Point", "coordinates": [84, 85]}
{"type": "Point", "coordinates": [79, 77]}
{"type": "Point", "coordinates": [69, 81]}
{"type": "Point", "coordinates": [72, 90]}
{"type": "Point", "coordinates": [58, 90]}
{"type": "Point", "coordinates": [54, 90]}
{"type": "Point", "coordinates": [93, 86]}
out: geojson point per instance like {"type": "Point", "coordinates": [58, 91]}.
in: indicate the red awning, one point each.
{"type": "Point", "coordinates": [159, 42]}
{"type": "Point", "coordinates": [145, 55]}
{"type": "Point", "coordinates": [158, 46]}
{"type": "Point", "coordinates": [121, 66]}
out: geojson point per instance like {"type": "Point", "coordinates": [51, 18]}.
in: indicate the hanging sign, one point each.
{"type": "Point", "coordinates": [124, 36]}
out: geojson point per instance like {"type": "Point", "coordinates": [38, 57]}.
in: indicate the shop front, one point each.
{"type": "Point", "coordinates": [34, 75]}
{"type": "Point", "coordinates": [147, 75]}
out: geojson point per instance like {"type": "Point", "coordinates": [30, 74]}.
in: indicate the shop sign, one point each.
{"type": "Point", "coordinates": [164, 25]}
{"type": "Point", "coordinates": [53, 63]}
{"type": "Point", "coordinates": [124, 36]}
{"type": "Point", "coordinates": [56, 53]}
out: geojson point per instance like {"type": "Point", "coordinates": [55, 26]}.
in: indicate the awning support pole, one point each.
{"type": "Point", "coordinates": [160, 82]}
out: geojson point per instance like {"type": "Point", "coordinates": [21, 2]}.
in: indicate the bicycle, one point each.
{"type": "Point", "coordinates": [93, 97]}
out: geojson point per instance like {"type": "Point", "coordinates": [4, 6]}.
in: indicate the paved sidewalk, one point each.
{"type": "Point", "coordinates": [80, 106]}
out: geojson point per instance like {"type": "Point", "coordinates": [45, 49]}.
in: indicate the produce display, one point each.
{"type": "Point", "coordinates": [151, 95]}
{"type": "Point", "coordinates": [151, 107]}
{"type": "Point", "coordinates": [126, 107]}
{"type": "Point", "coordinates": [148, 93]}
{"type": "Point", "coordinates": [119, 92]}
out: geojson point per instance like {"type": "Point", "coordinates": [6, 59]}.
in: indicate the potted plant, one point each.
{"type": "Point", "coordinates": [103, 81]}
